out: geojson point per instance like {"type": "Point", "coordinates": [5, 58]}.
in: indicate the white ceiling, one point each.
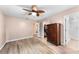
{"type": "Point", "coordinates": [16, 10]}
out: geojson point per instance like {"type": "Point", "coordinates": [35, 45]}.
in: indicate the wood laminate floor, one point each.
{"type": "Point", "coordinates": [35, 46]}
{"type": "Point", "coordinates": [26, 46]}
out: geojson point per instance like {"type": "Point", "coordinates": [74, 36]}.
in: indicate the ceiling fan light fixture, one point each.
{"type": "Point", "coordinates": [33, 14]}
{"type": "Point", "coordinates": [30, 14]}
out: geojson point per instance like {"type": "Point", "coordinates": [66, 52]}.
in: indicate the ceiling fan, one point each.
{"type": "Point", "coordinates": [34, 9]}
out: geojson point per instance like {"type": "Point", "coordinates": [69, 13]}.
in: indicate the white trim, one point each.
{"type": "Point", "coordinates": [2, 46]}
{"type": "Point", "coordinates": [19, 39]}
{"type": "Point", "coordinates": [66, 30]}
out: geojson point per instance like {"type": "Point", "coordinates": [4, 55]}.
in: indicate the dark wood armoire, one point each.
{"type": "Point", "coordinates": [54, 33]}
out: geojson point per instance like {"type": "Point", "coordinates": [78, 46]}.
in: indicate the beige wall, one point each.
{"type": "Point", "coordinates": [2, 31]}
{"type": "Point", "coordinates": [55, 19]}
{"type": "Point", "coordinates": [59, 17]}
{"type": "Point", "coordinates": [12, 28]}
{"type": "Point", "coordinates": [18, 28]}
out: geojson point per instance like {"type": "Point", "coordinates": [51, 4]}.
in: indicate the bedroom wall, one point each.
{"type": "Point", "coordinates": [18, 28]}
{"type": "Point", "coordinates": [2, 30]}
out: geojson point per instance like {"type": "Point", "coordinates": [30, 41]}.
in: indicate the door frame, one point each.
{"type": "Point", "coordinates": [66, 30]}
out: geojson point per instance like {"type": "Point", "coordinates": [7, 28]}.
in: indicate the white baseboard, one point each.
{"type": "Point", "coordinates": [2, 46]}
{"type": "Point", "coordinates": [15, 40]}
{"type": "Point", "coordinates": [19, 39]}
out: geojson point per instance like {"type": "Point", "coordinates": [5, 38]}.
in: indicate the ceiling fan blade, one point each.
{"type": "Point", "coordinates": [40, 14]}
{"type": "Point", "coordinates": [27, 10]}
{"type": "Point", "coordinates": [37, 14]}
{"type": "Point", "coordinates": [41, 11]}
{"type": "Point", "coordinates": [30, 14]}
{"type": "Point", "coordinates": [34, 8]}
